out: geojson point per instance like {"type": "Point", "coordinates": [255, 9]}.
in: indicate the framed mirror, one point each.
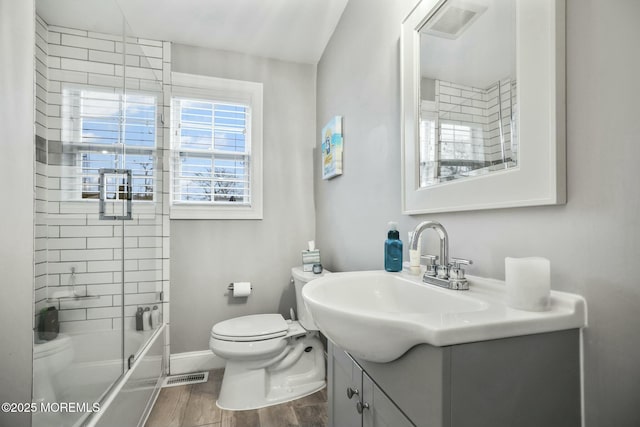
{"type": "Point", "coordinates": [483, 105]}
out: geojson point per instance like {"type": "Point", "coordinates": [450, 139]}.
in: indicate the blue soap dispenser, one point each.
{"type": "Point", "coordinates": [393, 249]}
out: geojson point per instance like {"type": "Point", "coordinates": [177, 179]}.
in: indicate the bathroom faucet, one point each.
{"type": "Point", "coordinates": [444, 274]}
{"type": "Point", "coordinates": [444, 239]}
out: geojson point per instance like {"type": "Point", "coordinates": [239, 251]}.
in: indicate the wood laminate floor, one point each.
{"type": "Point", "coordinates": [194, 405]}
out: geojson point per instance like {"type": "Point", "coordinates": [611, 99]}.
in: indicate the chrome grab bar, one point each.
{"type": "Point", "coordinates": [74, 298]}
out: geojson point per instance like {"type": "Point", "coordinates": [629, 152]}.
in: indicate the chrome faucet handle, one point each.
{"type": "Point", "coordinates": [457, 262]}
{"type": "Point", "coordinates": [455, 271]}
{"type": "Point", "coordinates": [431, 264]}
{"type": "Point", "coordinates": [431, 259]}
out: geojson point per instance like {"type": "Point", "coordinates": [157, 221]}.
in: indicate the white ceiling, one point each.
{"type": "Point", "coordinates": [291, 30]}
{"type": "Point", "coordinates": [484, 52]}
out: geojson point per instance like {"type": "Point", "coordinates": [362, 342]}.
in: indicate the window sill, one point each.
{"type": "Point", "coordinates": [198, 211]}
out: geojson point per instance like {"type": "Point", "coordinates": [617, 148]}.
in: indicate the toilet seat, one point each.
{"type": "Point", "coordinates": [254, 350]}
{"type": "Point", "coordinates": [257, 327]}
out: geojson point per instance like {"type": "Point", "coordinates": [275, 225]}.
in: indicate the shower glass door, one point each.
{"type": "Point", "coordinates": [143, 231]}
{"type": "Point", "coordinates": [86, 203]}
{"type": "Point", "coordinates": [99, 206]}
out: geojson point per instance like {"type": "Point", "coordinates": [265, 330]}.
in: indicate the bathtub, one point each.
{"type": "Point", "coordinates": [94, 371]}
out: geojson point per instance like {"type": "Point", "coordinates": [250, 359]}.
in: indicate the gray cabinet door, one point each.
{"type": "Point", "coordinates": [344, 375]}
{"type": "Point", "coordinates": [378, 410]}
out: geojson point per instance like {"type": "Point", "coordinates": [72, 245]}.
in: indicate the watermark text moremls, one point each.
{"type": "Point", "coordinates": [54, 407]}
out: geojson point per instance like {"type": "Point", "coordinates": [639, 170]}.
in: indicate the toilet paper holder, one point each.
{"type": "Point", "coordinates": [230, 287]}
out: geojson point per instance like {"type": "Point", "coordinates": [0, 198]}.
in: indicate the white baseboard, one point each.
{"type": "Point", "coordinates": [194, 361]}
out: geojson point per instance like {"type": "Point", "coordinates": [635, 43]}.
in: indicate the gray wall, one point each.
{"type": "Point", "coordinates": [427, 89]}
{"type": "Point", "coordinates": [206, 255]}
{"type": "Point", "coordinates": [17, 43]}
{"type": "Point", "coordinates": [593, 241]}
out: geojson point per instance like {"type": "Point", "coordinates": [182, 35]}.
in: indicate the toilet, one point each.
{"type": "Point", "coordinates": [269, 360]}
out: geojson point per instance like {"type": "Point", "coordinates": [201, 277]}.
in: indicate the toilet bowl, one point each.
{"type": "Point", "coordinates": [269, 360]}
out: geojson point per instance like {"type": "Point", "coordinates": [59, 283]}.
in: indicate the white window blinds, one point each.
{"type": "Point", "coordinates": [211, 152]}
{"type": "Point", "coordinates": [106, 129]}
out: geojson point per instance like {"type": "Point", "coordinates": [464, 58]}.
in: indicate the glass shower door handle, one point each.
{"type": "Point", "coordinates": [130, 360]}
{"type": "Point", "coordinates": [115, 185]}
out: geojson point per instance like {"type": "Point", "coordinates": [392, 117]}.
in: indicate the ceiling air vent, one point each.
{"type": "Point", "coordinates": [453, 18]}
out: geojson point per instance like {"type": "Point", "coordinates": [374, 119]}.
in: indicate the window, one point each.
{"type": "Point", "coordinates": [216, 144]}
{"type": "Point", "coordinates": [462, 148]}
{"type": "Point", "coordinates": [105, 129]}
{"type": "Point", "coordinates": [429, 152]}
{"type": "Point", "coordinates": [213, 156]}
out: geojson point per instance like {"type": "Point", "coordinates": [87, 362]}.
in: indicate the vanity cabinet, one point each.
{"type": "Point", "coordinates": [355, 400]}
{"type": "Point", "coordinates": [524, 381]}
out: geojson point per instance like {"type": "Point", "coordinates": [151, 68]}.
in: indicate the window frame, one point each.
{"type": "Point", "coordinates": [219, 90]}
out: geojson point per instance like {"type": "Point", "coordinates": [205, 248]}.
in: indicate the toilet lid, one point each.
{"type": "Point", "coordinates": [250, 328]}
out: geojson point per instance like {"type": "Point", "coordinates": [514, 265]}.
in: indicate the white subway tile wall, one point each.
{"type": "Point", "coordinates": [464, 105]}
{"type": "Point", "coordinates": [41, 256]}
{"type": "Point", "coordinates": [76, 252]}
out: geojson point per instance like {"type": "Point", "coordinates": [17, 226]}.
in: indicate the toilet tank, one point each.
{"type": "Point", "coordinates": [301, 278]}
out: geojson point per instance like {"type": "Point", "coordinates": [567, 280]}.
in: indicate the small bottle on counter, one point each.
{"type": "Point", "coordinates": [393, 249]}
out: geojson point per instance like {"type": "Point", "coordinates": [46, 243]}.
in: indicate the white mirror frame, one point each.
{"type": "Point", "coordinates": [540, 177]}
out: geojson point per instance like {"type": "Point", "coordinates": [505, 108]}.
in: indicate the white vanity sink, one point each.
{"type": "Point", "coordinates": [378, 316]}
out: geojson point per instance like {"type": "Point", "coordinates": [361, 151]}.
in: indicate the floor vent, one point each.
{"type": "Point", "coordinates": [176, 380]}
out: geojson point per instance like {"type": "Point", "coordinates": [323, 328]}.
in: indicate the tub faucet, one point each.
{"type": "Point", "coordinates": [442, 273]}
